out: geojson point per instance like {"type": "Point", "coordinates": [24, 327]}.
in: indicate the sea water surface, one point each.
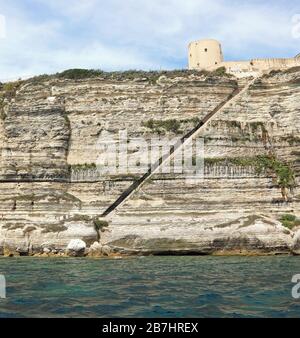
{"type": "Point", "coordinates": [150, 287]}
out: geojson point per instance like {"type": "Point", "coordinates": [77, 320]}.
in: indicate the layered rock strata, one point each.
{"type": "Point", "coordinates": [54, 130]}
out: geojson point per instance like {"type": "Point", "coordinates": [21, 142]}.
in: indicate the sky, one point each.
{"type": "Point", "coordinates": [47, 36]}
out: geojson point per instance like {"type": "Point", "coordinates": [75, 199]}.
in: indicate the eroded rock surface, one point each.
{"type": "Point", "coordinates": [50, 130]}
{"type": "Point", "coordinates": [76, 248]}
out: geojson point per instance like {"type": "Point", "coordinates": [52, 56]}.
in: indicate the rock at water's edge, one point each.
{"type": "Point", "coordinates": [76, 248]}
{"type": "Point", "coordinates": [95, 250]}
{"type": "Point", "coordinates": [296, 243]}
{"type": "Point", "coordinates": [106, 250]}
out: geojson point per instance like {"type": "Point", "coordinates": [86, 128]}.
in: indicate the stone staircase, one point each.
{"type": "Point", "coordinates": [178, 146]}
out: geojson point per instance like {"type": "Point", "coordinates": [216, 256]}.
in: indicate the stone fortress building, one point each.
{"type": "Point", "coordinates": [208, 55]}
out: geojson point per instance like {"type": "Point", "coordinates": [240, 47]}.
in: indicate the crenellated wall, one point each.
{"type": "Point", "coordinates": [208, 55]}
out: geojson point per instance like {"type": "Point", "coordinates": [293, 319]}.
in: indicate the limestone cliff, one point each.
{"type": "Point", "coordinates": [51, 193]}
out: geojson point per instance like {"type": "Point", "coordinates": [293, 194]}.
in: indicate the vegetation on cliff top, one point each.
{"type": "Point", "coordinates": [151, 76]}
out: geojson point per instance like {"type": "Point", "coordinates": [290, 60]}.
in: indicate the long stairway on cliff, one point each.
{"type": "Point", "coordinates": [180, 143]}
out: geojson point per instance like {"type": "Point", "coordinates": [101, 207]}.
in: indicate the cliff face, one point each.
{"type": "Point", "coordinates": [51, 133]}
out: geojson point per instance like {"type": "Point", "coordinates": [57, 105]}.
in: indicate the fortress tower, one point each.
{"type": "Point", "coordinates": [204, 54]}
{"type": "Point", "coordinates": [208, 55]}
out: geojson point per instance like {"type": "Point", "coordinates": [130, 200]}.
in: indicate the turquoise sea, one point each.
{"type": "Point", "coordinates": [150, 287]}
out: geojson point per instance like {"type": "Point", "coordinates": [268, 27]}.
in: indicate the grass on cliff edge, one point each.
{"type": "Point", "coordinates": [77, 74]}
{"type": "Point", "coordinates": [150, 76]}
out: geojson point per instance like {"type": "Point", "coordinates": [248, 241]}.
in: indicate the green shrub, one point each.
{"type": "Point", "coordinates": [289, 221]}
{"type": "Point", "coordinates": [68, 122]}
{"type": "Point", "coordinates": [288, 217]}
{"type": "Point", "coordinates": [221, 71]}
{"type": "Point", "coordinates": [168, 125]}
{"type": "Point", "coordinates": [150, 76]}
{"type": "Point", "coordinates": [2, 114]}
{"type": "Point", "coordinates": [77, 74]}
{"type": "Point", "coordinates": [80, 218]}
{"type": "Point", "coordinates": [100, 224]}
{"type": "Point", "coordinates": [2, 106]}
{"type": "Point", "coordinates": [284, 173]}
{"type": "Point", "coordinates": [85, 166]}
{"type": "Point", "coordinates": [40, 78]}
{"type": "Point", "coordinates": [10, 86]}
{"type": "Point", "coordinates": [10, 89]}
